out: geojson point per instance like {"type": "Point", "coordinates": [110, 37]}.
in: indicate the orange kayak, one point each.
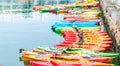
{"type": "Point", "coordinates": [75, 56]}
{"type": "Point", "coordinates": [33, 56]}
{"type": "Point", "coordinates": [80, 16]}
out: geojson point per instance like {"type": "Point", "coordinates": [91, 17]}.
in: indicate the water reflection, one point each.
{"type": "Point", "coordinates": [26, 63]}
{"type": "Point", "coordinates": [15, 7]}
{"type": "Point", "coordinates": [20, 27]}
{"type": "Point", "coordinates": [25, 6]}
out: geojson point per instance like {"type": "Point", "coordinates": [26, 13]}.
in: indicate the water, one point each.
{"type": "Point", "coordinates": [22, 28]}
{"type": "Point", "coordinates": [25, 31]}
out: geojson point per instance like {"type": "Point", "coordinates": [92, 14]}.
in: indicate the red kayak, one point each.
{"type": "Point", "coordinates": [51, 63]}
{"type": "Point", "coordinates": [96, 49]}
{"type": "Point", "coordinates": [65, 64]}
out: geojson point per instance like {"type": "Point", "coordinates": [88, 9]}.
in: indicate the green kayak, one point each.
{"type": "Point", "coordinates": [80, 50]}
{"type": "Point", "coordinates": [80, 7]}
{"type": "Point", "coordinates": [84, 51]}
{"type": "Point", "coordinates": [45, 10]}
{"type": "Point", "coordinates": [58, 30]}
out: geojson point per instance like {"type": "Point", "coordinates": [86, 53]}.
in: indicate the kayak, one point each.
{"type": "Point", "coordinates": [92, 40]}
{"type": "Point", "coordinates": [75, 24]}
{"type": "Point", "coordinates": [82, 12]}
{"type": "Point", "coordinates": [75, 5]}
{"type": "Point", "coordinates": [67, 10]}
{"type": "Point", "coordinates": [36, 8]}
{"type": "Point", "coordinates": [96, 49]}
{"type": "Point", "coordinates": [74, 12]}
{"type": "Point", "coordinates": [35, 63]}
{"type": "Point", "coordinates": [70, 57]}
{"type": "Point", "coordinates": [80, 50]}
{"type": "Point", "coordinates": [64, 9]}
{"type": "Point", "coordinates": [60, 10]}
{"type": "Point", "coordinates": [59, 30]}
{"type": "Point", "coordinates": [77, 57]}
{"type": "Point", "coordinates": [81, 20]}
{"type": "Point", "coordinates": [74, 43]}
{"type": "Point", "coordinates": [93, 47]}
{"type": "Point", "coordinates": [73, 28]}
{"type": "Point", "coordinates": [94, 4]}
{"type": "Point", "coordinates": [85, 10]}
{"type": "Point", "coordinates": [46, 58]}
{"type": "Point", "coordinates": [53, 63]}
{"type": "Point", "coordinates": [72, 22]}
{"type": "Point", "coordinates": [80, 16]}
{"type": "Point", "coordinates": [88, 1]}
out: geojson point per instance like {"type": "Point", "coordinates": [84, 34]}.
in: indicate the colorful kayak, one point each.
{"type": "Point", "coordinates": [81, 51]}
{"type": "Point", "coordinates": [67, 56]}
{"type": "Point", "coordinates": [80, 5]}
{"type": "Point", "coordinates": [77, 57]}
{"type": "Point", "coordinates": [76, 23]}
{"type": "Point", "coordinates": [93, 40]}
{"type": "Point", "coordinates": [63, 23]}
{"type": "Point", "coordinates": [61, 10]}
{"type": "Point", "coordinates": [34, 63]}
{"type": "Point", "coordinates": [81, 16]}
{"type": "Point", "coordinates": [59, 30]}
{"type": "Point", "coordinates": [74, 12]}
{"type": "Point", "coordinates": [94, 4]}
{"type": "Point", "coordinates": [81, 20]}
{"type": "Point", "coordinates": [82, 12]}
{"type": "Point", "coordinates": [96, 49]}
{"type": "Point", "coordinates": [51, 63]}
{"type": "Point", "coordinates": [46, 58]}
{"type": "Point", "coordinates": [71, 22]}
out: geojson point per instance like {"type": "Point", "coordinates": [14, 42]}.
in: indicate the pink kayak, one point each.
{"type": "Point", "coordinates": [81, 20]}
{"type": "Point", "coordinates": [34, 63]}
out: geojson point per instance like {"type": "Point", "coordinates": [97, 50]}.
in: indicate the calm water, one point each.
{"type": "Point", "coordinates": [26, 31]}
